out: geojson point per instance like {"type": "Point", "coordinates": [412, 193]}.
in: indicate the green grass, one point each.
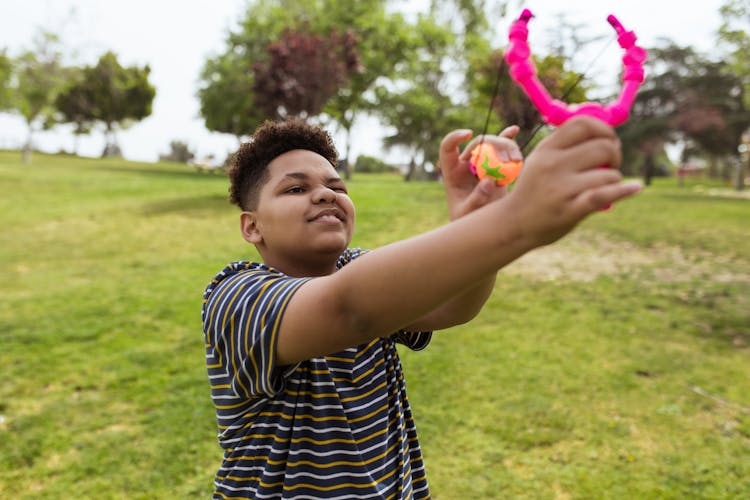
{"type": "Point", "coordinates": [619, 370]}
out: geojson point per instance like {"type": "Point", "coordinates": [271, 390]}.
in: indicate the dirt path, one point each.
{"type": "Point", "coordinates": [585, 255]}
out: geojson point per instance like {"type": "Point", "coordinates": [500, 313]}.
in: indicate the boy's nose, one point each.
{"type": "Point", "coordinates": [324, 195]}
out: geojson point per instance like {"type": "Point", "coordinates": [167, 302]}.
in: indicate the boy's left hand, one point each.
{"type": "Point", "coordinates": [464, 191]}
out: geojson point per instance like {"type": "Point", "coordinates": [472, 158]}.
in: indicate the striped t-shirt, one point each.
{"type": "Point", "coordinates": [336, 427]}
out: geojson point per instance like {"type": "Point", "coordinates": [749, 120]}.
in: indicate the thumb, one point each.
{"type": "Point", "coordinates": [484, 192]}
{"type": "Point", "coordinates": [510, 132]}
{"type": "Point", "coordinates": [449, 145]}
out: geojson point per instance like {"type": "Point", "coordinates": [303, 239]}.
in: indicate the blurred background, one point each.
{"type": "Point", "coordinates": [388, 78]}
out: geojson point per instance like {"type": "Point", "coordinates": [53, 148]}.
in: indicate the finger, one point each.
{"type": "Point", "coordinates": [592, 179]}
{"type": "Point", "coordinates": [483, 193]}
{"type": "Point", "coordinates": [510, 132]}
{"type": "Point", "coordinates": [507, 149]}
{"type": "Point", "coordinates": [593, 153]}
{"type": "Point", "coordinates": [595, 199]}
{"type": "Point", "coordinates": [449, 153]}
{"type": "Point", "coordinates": [576, 130]}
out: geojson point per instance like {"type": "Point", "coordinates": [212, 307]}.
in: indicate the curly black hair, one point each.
{"type": "Point", "coordinates": [248, 170]}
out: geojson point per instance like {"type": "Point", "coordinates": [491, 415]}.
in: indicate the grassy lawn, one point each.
{"type": "Point", "coordinates": [614, 364]}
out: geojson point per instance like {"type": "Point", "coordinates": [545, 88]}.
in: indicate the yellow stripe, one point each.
{"type": "Point", "coordinates": [369, 415]}
{"type": "Point", "coordinates": [361, 396]}
{"type": "Point", "coordinates": [326, 441]}
{"type": "Point", "coordinates": [319, 466]}
{"type": "Point", "coordinates": [312, 486]}
{"type": "Point", "coordinates": [378, 363]}
{"type": "Point", "coordinates": [343, 360]}
{"type": "Point", "coordinates": [222, 495]}
{"type": "Point", "coordinates": [286, 417]}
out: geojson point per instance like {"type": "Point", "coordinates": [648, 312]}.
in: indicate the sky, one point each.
{"type": "Point", "coordinates": [175, 37]}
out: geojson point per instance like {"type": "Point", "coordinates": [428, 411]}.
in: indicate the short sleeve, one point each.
{"type": "Point", "coordinates": [416, 341]}
{"type": "Point", "coordinates": [241, 321]}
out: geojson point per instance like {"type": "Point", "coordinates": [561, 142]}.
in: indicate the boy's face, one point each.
{"type": "Point", "coordinates": [304, 217]}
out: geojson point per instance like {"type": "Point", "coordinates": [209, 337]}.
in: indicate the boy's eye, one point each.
{"type": "Point", "coordinates": [296, 189]}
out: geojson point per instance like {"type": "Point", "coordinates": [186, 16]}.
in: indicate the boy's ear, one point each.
{"type": "Point", "coordinates": [249, 228]}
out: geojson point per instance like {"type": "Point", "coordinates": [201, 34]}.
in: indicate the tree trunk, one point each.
{"type": "Point", "coordinates": [411, 171]}
{"type": "Point", "coordinates": [713, 168]}
{"type": "Point", "coordinates": [648, 169]}
{"type": "Point", "coordinates": [111, 148]}
{"type": "Point", "coordinates": [740, 181]}
{"type": "Point", "coordinates": [26, 156]}
{"type": "Point", "coordinates": [347, 151]}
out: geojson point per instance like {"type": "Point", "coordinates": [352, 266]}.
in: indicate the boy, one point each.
{"type": "Point", "coordinates": [300, 349]}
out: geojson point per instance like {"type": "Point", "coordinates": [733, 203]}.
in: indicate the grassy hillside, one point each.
{"type": "Point", "coordinates": [615, 364]}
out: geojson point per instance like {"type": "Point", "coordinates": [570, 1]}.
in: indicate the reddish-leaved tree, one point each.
{"type": "Point", "coordinates": [303, 71]}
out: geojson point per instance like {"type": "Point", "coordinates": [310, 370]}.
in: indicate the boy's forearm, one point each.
{"type": "Point", "coordinates": [458, 310]}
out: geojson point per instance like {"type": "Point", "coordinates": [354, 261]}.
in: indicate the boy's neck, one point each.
{"type": "Point", "coordinates": [303, 268]}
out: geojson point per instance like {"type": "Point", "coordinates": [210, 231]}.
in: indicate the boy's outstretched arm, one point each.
{"type": "Point", "coordinates": [465, 193]}
{"type": "Point", "coordinates": [393, 286]}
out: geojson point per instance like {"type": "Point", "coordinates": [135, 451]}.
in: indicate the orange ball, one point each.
{"type": "Point", "coordinates": [484, 162]}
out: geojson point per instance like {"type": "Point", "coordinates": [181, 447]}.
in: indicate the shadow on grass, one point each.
{"type": "Point", "coordinates": [209, 203]}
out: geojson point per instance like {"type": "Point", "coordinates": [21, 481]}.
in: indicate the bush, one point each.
{"type": "Point", "coordinates": [370, 164]}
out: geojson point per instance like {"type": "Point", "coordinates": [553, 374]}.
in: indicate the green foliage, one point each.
{"type": "Point", "coordinates": [610, 365]}
{"type": "Point", "coordinates": [372, 165]}
{"type": "Point", "coordinates": [231, 95]}
{"type": "Point", "coordinates": [686, 98]}
{"type": "Point", "coordinates": [179, 152]}
{"type": "Point", "coordinates": [420, 108]}
{"type": "Point", "coordinates": [74, 104]}
{"type": "Point", "coordinates": [735, 16]}
{"type": "Point", "coordinates": [226, 98]}
{"type": "Point", "coordinates": [38, 78]}
{"type": "Point", "coordinates": [383, 44]}
{"type": "Point", "coordinates": [6, 72]}
{"type": "Point", "coordinates": [117, 95]}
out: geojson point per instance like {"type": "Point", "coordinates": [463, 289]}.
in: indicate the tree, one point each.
{"type": "Point", "coordinates": [117, 95]}
{"type": "Point", "coordinates": [419, 107]}
{"type": "Point", "coordinates": [74, 105]}
{"type": "Point", "coordinates": [227, 99]}
{"type": "Point", "coordinates": [711, 112]}
{"type": "Point", "coordinates": [179, 152]}
{"type": "Point", "coordinates": [233, 81]}
{"type": "Point", "coordinates": [38, 80]}
{"type": "Point", "coordinates": [302, 71]}
{"type": "Point", "coordinates": [735, 13]}
{"type": "Point", "coordinates": [651, 125]}
{"type": "Point", "coordinates": [6, 72]}
{"type": "Point", "coordinates": [686, 98]}
{"type": "Point", "coordinates": [382, 43]}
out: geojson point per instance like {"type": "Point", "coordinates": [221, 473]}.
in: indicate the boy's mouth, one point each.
{"type": "Point", "coordinates": [329, 214]}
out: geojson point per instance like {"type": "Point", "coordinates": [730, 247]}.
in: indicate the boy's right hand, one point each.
{"type": "Point", "coordinates": [562, 181]}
